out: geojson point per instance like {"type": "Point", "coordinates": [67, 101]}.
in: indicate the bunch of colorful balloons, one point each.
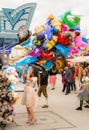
{"type": "Point", "coordinates": [54, 41]}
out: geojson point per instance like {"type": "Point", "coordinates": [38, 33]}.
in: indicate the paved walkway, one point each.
{"type": "Point", "coordinates": [60, 115]}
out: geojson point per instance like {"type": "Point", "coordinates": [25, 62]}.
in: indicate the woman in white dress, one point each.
{"type": "Point", "coordinates": [29, 98]}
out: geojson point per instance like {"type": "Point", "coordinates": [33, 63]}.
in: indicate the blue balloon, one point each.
{"type": "Point", "coordinates": [25, 60]}
{"type": "Point", "coordinates": [84, 39]}
{"type": "Point", "coordinates": [62, 50]}
{"type": "Point", "coordinates": [61, 17]}
{"type": "Point", "coordinates": [77, 29]}
{"type": "Point", "coordinates": [48, 64]}
{"type": "Point", "coordinates": [55, 30]}
{"type": "Point", "coordinates": [26, 43]}
{"type": "Point", "coordinates": [4, 67]}
{"type": "Point", "coordinates": [19, 69]}
{"type": "Point", "coordinates": [48, 31]}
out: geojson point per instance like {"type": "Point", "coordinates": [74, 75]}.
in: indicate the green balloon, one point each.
{"type": "Point", "coordinates": [69, 22]}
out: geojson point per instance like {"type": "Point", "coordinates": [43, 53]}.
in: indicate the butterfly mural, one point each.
{"type": "Point", "coordinates": [11, 20]}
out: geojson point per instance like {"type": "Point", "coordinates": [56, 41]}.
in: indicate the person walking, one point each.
{"type": "Point", "coordinates": [67, 78]}
{"type": "Point", "coordinates": [42, 83]}
{"type": "Point", "coordinates": [52, 78]}
{"type": "Point", "coordinates": [63, 79]}
{"type": "Point", "coordinates": [29, 98]}
{"type": "Point", "coordinates": [72, 79]}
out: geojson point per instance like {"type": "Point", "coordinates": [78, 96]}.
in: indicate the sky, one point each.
{"type": "Point", "coordinates": [55, 7]}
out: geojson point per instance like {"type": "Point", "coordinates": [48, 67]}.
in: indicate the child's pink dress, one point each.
{"type": "Point", "coordinates": [52, 79]}
{"type": "Point", "coordinates": [29, 97]}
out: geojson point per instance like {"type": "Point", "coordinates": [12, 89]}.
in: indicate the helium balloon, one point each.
{"type": "Point", "coordinates": [25, 60]}
{"type": "Point", "coordinates": [84, 39]}
{"type": "Point", "coordinates": [26, 43]}
{"type": "Point", "coordinates": [73, 21]}
{"type": "Point", "coordinates": [35, 52]}
{"type": "Point", "coordinates": [48, 30]}
{"type": "Point", "coordinates": [48, 64]}
{"type": "Point", "coordinates": [79, 42]}
{"type": "Point", "coordinates": [62, 50]}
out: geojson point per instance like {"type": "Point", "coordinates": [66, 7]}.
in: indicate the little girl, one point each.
{"type": "Point", "coordinates": [83, 93]}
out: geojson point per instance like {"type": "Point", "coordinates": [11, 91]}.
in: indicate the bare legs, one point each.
{"type": "Point", "coordinates": [31, 115]}
{"type": "Point", "coordinates": [53, 86]}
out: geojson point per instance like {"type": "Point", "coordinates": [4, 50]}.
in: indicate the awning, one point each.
{"type": "Point", "coordinates": [80, 59]}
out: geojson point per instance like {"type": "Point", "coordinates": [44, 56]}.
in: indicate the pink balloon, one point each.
{"type": "Point", "coordinates": [74, 50]}
{"type": "Point", "coordinates": [79, 43]}
{"type": "Point", "coordinates": [64, 28]}
{"type": "Point", "coordinates": [35, 52]}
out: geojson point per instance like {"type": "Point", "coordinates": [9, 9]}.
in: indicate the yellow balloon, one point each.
{"type": "Point", "coordinates": [82, 55]}
{"type": "Point", "coordinates": [57, 23]}
{"type": "Point", "coordinates": [55, 38]}
{"type": "Point", "coordinates": [87, 49]}
{"type": "Point", "coordinates": [51, 16]}
{"type": "Point", "coordinates": [78, 54]}
{"type": "Point", "coordinates": [49, 46]}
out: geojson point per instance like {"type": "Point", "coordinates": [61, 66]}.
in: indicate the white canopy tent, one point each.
{"type": "Point", "coordinates": [80, 59]}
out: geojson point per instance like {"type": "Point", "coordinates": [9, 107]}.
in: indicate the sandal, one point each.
{"type": "Point", "coordinates": [33, 122]}
{"type": "Point", "coordinates": [27, 122]}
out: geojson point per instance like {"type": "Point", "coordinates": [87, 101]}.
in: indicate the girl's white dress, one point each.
{"type": "Point", "coordinates": [29, 97]}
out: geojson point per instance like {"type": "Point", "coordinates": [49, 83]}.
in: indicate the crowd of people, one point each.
{"type": "Point", "coordinates": [75, 77]}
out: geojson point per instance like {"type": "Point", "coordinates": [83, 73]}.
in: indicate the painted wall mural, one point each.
{"type": "Point", "coordinates": [12, 19]}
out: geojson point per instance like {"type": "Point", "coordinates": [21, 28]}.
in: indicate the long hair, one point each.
{"type": "Point", "coordinates": [54, 69]}
{"type": "Point", "coordinates": [85, 75]}
{"type": "Point", "coordinates": [35, 72]}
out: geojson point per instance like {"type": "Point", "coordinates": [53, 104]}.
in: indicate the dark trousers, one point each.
{"type": "Point", "coordinates": [72, 85]}
{"type": "Point", "coordinates": [67, 87]}
{"type": "Point", "coordinates": [64, 87]}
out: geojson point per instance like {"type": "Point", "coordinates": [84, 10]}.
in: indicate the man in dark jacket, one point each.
{"type": "Point", "coordinates": [68, 79]}
{"type": "Point", "coordinates": [43, 82]}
